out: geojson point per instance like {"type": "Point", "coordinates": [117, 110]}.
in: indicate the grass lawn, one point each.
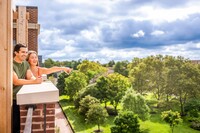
{"type": "Point", "coordinates": [154, 125]}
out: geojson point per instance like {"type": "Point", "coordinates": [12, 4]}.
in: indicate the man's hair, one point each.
{"type": "Point", "coordinates": [17, 48]}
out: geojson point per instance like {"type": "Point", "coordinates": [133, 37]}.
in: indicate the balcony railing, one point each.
{"type": "Point", "coordinates": [38, 98]}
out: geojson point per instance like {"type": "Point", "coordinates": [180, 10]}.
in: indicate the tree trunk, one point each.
{"type": "Point", "coordinates": [99, 127]}
{"type": "Point", "coordinates": [182, 108]}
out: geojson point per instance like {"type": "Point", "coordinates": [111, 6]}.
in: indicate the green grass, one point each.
{"type": "Point", "coordinates": [154, 125]}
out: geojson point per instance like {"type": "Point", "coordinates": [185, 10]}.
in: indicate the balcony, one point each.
{"type": "Point", "coordinates": [39, 110]}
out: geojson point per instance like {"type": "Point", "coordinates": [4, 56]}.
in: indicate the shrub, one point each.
{"type": "Point", "coordinates": [126, 122]}
{"type": "Point", "coordinates": [85, 104]}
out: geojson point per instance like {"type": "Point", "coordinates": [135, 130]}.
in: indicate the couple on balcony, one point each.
{"type": "Point", "coordinates": [26, 71]}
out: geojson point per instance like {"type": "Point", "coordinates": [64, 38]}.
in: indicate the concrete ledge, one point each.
{"type": "Point", "coordinates": [46, 92]}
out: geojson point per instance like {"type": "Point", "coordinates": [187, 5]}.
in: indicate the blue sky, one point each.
{"type": "Point", "coordinates": [104, 30]}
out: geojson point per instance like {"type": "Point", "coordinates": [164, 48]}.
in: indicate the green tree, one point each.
{"type": "Point", "coordinates": [140, 77]}
{"type": "Point", "coordinates": [85, 104]}
{"type": "Point", "coordinates": [111, 63]}
{"type": "Point", "coordinates": [135, 103]}
{"type": "Point", "coordinates": [49, 63]}
{"type": "Point", "coordinates": [75, 82]}
{"type": "Point", "coordinates": [172, 118]}
{"type": "Point", "coordinates": [91, 69]}
{"type": "Point", "coordinates": [61, 83]}
{"type": "Point", "coordinates": [88, 90]}
{"type": "Point", "coordinates": [126, 122]}
{"type": "Point", "coordinates": [102, 86]}
{"type": "Point", "coordinates": [118, 84]}
{"type": "Point", "coordinates": [121, 68]}
{"type": "Point", "coordinates": [96, 115]}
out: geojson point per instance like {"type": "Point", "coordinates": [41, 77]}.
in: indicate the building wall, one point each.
{"type": "Point", "coordinates": [32, 33]}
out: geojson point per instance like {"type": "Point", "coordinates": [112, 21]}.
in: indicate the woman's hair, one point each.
{"type": "Point", "coordinates": [29, 54]}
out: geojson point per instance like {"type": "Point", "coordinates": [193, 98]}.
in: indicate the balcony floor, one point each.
{"type": "Point", "coordinates": [60, 120]}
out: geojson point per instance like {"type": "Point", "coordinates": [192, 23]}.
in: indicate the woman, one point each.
{"type": "Point", "coordinates": [37, 71]}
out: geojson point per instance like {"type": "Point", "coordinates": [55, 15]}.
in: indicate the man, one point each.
{"type": "Point", "coordinates": [22, 75]}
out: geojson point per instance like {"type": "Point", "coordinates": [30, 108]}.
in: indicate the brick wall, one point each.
{"type": "Point", "coordinates": [32, 33]}
{"type": "Point", "coordinates": [38, 118]}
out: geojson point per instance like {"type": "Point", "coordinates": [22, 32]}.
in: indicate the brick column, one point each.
{"type": "Point", "coordinates": [38, 118]}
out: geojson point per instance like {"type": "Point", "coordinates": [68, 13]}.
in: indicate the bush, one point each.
{"type": "Point", "coordinates": [195, 125]}
{"type": "Point", "coordinates": [136, 103]}
{"type": "Point", "coordinates": [89, 90]}
{"type": "Point", "coordinates": [126, 122]}
{"type": "Point", "coordinates": [85, 104]}
{"type": "Point", "coordinates": [192, 107]}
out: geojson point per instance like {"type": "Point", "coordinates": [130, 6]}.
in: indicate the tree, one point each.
{"type": "Point", "coordinates": [75, 82]}
{"type": "Point", "coordinates": [172, 118]}
{"type": "Point", "coordinates": [61, 83]}
{"type": "Point", "coordinates": [91, 69]}
{"type": "Point", "coordinates": [89, 90]}
{"type": "Point", "coordinates": [96, 115]}
{"type": "Point", "coordinates": [126, 122]}
{"type": "Point", "coordinates": [140, 77]}
{"type": "Point", "coordinates": [118, 84]}
{"type": "Point", "coordinates": [85, 104]}
{"type": "Point", "coordinates": [135, 103]}
{"type": "Point", "coordinates": [102, 86]}
{"type": "Point", "coordinates": [49, 63]}
{"type": "Point", "coordinates": [121, 68]}
{"type": "Point", "coordinates": [111, 63]}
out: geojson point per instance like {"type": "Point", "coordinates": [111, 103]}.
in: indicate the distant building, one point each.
{"type": "Point", "coordinates": [195, 61]}
{"type": "Point", "coordinates": [40, 60]}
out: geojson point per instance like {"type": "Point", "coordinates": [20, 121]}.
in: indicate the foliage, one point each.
{"type": "Point", "coordinates": [126, 122]}
{"type": "Point", "coordinates": [102, 86]}
{"type": "Point", "coordinates": [193, 107]}
{"type": "Point", "coordinates": [96, 115]}
{"type": "Point", "coordinates": [61, 83]}
{"type": "Point", "coordinates": [91, 69]}
{"type": "Point", "coordinates": [195, 124]}
{"type": "Point", "coordinates": [121, 68]}
{"type": "Point", "coordinates": [118, 84]}
{"type": "Point", "coordinates": [49, 63]}
{"type": "Point", "coordinates": [75, 82]}
{"type": "Point", "coordinates": [89, 90]}
{"type": "Point", "coordinates": [85, 104]}
{"type": "Point", "coordinates": [166, 77]}
{"type": "Point", "coordinates": [111, 63]}
{"type": "Point", "coordinates": [135, 103]}
{"type": "Point", "coordinates": [111, 111]}
{"type": "Point", "coordinates": [172, 118]}
{"type": "Point", "coordinates": [154, 125]}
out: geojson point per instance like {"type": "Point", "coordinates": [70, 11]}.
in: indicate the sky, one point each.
{"type": "Point", "coordinates": [105, 30]}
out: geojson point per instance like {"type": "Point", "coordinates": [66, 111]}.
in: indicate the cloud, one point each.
{"type": "Point", "coordinates": [117, 29]}
{"type": "Point", "coordinates": [139, 34]}
{"type": "Point", "coordinates": [157, 33]}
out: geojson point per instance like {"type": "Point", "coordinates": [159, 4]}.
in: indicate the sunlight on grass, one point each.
{"type": "Point", "coordinates": [154, 125]}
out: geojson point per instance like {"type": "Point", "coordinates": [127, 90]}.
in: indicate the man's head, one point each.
{"type": "Point", "coordinates": [20, 52]}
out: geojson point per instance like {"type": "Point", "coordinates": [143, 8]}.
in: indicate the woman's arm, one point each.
{"type": "Point", "coordinates": [44, 70]}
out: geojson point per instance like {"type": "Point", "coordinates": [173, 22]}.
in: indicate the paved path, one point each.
{"type": "Point", "coordinates": [60, 120]}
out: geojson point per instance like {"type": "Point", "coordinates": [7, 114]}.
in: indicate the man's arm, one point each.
{"type": "Point", "coordinates": [17, 81]}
